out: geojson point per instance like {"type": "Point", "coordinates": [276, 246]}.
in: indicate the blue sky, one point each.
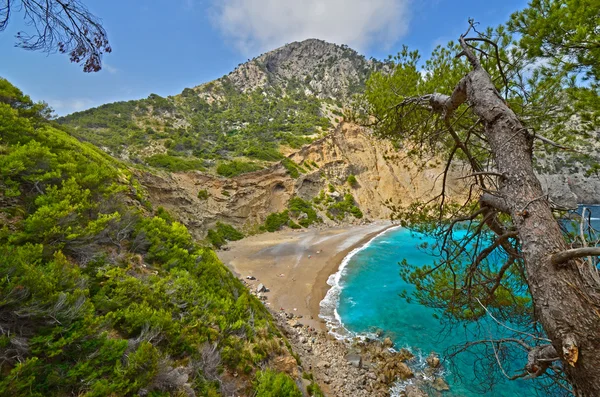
{"type": "Point", "coordinates": [164, 46]}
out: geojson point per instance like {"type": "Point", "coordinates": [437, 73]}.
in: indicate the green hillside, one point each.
{"type": "Point", "coordinates": [276, 102]}
{"type": "Point", "coordinates": [101, 294]}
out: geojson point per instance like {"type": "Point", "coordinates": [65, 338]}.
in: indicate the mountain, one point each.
{"type": "Point", "coordinates": [322, 69]}
{"type": "Point", "coordinates": [232, 150]}
{"type": "Point", "coordinates": [265, 108]}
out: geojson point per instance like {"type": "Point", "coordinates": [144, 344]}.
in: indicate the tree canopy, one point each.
{"type": "Point", "coordinates": [66, 26]}
{"type": "Point", "coordinates": [487, 102]}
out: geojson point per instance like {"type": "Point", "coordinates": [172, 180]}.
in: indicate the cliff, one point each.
{"type": "Point", "coordinates": [385, 177]}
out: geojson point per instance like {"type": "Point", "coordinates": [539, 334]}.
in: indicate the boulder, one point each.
{"type": "Point", "coordinates": [405, 355]}
{"type": "Point", "coordinates": [387, 343]}
{"type": "Point", "coordinates": [261, 288]}
{"type": "Point", "coordinates": [440, 384]}
{"type": "Point", "coordinates": [404, 372]}
{"type": "Point", "coordinates": [355, 360]}
{"type": "Point", "coordinates": [433, 360]}
{"type": "Point", "coordinates": [414, 391]}
{"type": "Point", "coordinates": [323, 364]}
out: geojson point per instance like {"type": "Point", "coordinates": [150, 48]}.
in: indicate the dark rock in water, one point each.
{"type": "Point", "coordinates": [250, 278]}
{"type": "Point", "coordinates": [433, 360]}
{"type": "Point", "coordinates": [261, 288]}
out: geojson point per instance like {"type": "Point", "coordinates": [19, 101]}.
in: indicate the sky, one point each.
{"type": "Point", "coordinates": [164, 46]}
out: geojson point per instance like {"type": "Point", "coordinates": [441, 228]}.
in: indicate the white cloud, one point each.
{"type": "Point", "coordinates": [258, 25]}
{"type": "Point", "coordinates": [66, 106]}
{"type": "Point", "coordinates": [109, 68]}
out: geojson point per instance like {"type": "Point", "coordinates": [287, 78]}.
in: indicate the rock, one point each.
{"type": "Point", "coordinates": [303, 339]}
{"type": "Point", "coordinates": [323, 364]}
{"type": "Point", "coordinates": [250, 278]}
{"type": "Point", "coordinates": [405, 355]}
{"type": "Point", "coordinates": [261, 288]}
{"type": "Point", "coordinates": [387, 343]}
{"type": "Point", "coordinates": [335, 195]}
{"type": "Point", "coordinates": [287, 364]}
{"type": "Point", "coordinates": [414, 391]}
{"type": "Point", "coordinates": [433, 360]}
{"type": "Point", "coordinates": [440, 384]}
{"type": "Point", "coordinates": [354, 360]}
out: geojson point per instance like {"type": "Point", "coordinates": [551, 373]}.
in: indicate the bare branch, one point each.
{"type": "Point", "coordinates": [565, 256]}
{"type": "Point", "coordinates": [496, 202]}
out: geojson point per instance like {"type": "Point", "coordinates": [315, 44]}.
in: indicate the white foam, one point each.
{"type": "Point", "coordinates": [329, 304]}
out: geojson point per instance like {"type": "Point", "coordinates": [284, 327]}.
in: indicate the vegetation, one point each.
{"type": "Point", "coordinates": [271, 384]}
{"type": "Point", "coordinates": [236, 167]}
{"type": "Point", "coordinates": [203, 194]}
{"type": "Point", "coordinates": [291, 167]}
{"type": "Point", "coordinates": [298, 206]}
{"type": "Point", "coordinates": [219, 236]}
{"type": "Point", "coordinates": [339, 209]}
{"type": "Point", "coordinates": [252, 125]}
{"type": "Point", "coordinates": [352, 181]}
{"type": "Point", "coordinates": [501, 253]}
{"type": "Point", "coordinates": [299, 209]}
{"type": "Point", "coordinates": [276, 221]}
{"type": "Point", "coordinates": [99, 297]}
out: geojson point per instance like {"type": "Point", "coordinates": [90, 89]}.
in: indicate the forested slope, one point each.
{"type": "Point", "coordinates": [102, 295]}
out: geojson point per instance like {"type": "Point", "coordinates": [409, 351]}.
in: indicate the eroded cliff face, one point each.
{"type": "Point", "coordinates": [384, 174]}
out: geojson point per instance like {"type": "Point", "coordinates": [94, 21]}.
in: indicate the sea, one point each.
{"type": "Point", "coordinates": [365, 301]}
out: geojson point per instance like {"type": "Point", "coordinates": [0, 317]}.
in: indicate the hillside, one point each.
{"type": "Point", "coordinates": [234, 150]}
{"type": "Point", "coordinates": [263, 109]}
{"type": "Point", "coordinates": [383, 178]}
{"type": "Point", "coordinates": [103, 294]}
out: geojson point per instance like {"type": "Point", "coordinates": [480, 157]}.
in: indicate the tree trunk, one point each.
{"type": "Point", "coordinates": [566, 301]}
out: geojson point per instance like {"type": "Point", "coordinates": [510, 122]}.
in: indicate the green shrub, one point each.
{"type": "Point", "coordinates": [275, 384]}
{"type": "Point", "coordinates": [291, 167]}
{"type": "Point", "coordinates": [236, 167]}
{"type": "Point", "coordinates": [298, 206]}
{"type": "Point", "coordinates": [352, 181]}
{"type": "Point", "coordinates": [347, 205]}
{"type": "Point", "coordinates": [203, 194]}
{"type": "Point", "coordinates": [276, 221]}
{"type": "Point", "coordinates": [222, 233]}
{"type": "Point", "coordinates": [229, 232]}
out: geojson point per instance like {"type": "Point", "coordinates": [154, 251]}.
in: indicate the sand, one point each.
{"type": "Point", "coordinates": [295, 264]}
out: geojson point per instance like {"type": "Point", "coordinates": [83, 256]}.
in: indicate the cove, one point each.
{"type": "Point", "coordinates": [368, 298]}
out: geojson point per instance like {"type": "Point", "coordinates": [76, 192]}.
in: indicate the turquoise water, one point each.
{"type": "Point", "coordinates": [365, 297]}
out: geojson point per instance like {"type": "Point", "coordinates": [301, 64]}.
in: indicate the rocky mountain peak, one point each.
{"type": "Point", "coordinates": [322, 69]}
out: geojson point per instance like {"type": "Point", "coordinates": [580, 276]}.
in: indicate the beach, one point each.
{"type": "Point", "coordinates": [294, 265]}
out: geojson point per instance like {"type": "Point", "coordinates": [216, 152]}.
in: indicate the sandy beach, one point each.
{"type": "Point", "coordinates": [295, 264]}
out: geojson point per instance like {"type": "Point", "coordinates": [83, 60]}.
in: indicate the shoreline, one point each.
{"type": "Point", "coordinates": [295, 265]}
{"type": "Point", "coordinates": [332, 266]}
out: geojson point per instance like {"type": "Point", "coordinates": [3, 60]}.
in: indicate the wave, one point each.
{"type": "Point", "coordinates": [329, 304]}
